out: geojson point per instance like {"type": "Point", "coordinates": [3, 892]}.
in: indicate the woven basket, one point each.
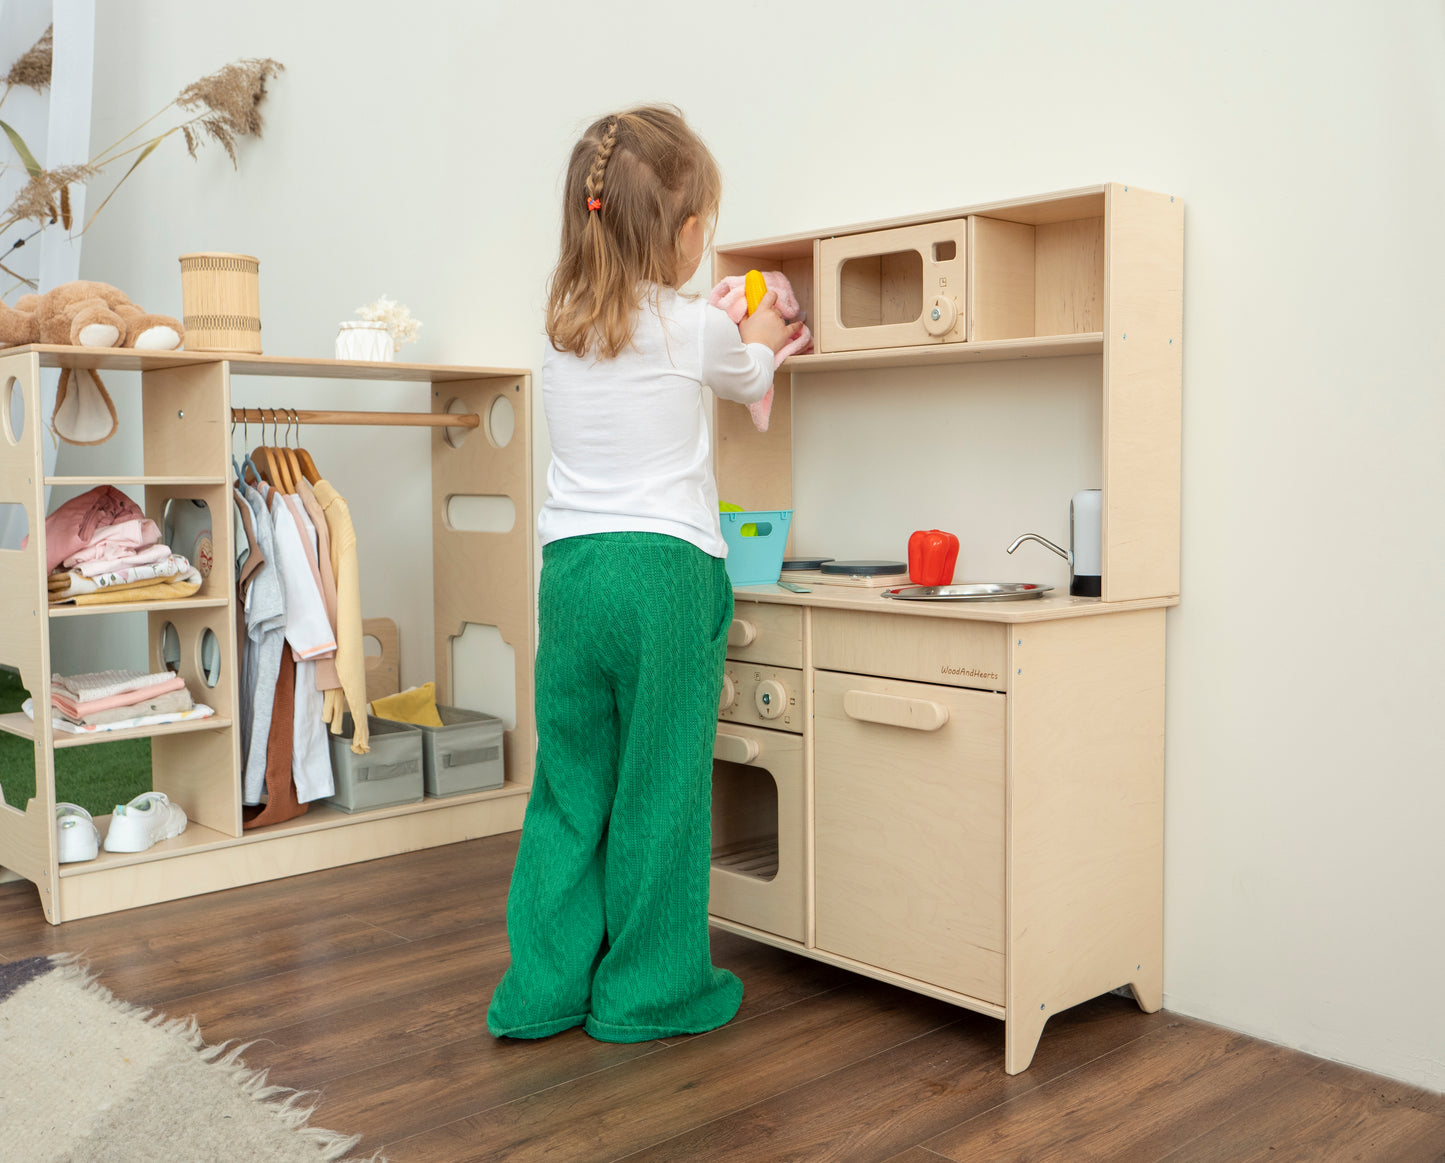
{"type": "Point", "coordinates": [221, 301]}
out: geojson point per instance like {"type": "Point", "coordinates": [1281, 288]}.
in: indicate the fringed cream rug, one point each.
{"type": "Point", "coordinates": [85, 1077]}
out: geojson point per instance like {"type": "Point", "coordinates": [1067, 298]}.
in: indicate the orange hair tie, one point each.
{"type": "Point", "coordinates": [594, 204]}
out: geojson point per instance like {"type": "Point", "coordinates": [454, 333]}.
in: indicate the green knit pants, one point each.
{"type": "Point", "coordinates": [607, 914]}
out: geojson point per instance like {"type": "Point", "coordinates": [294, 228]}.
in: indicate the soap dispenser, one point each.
{"type": "Point", "coordinates": [1085, 554]}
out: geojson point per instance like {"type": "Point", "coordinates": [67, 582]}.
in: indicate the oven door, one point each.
{"type": "Point", "coordinates": [757, 829]}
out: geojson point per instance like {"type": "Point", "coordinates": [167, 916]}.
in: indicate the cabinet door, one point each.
{"type": "Point", "coordinates": [909, 829]}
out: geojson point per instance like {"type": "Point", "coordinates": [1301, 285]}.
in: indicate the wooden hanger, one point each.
{"type": "Point", "coordinates": [287, 483]}
{"type": "Point", "coordinates": [272, 464]}
{"type": "Point", "coordinates": [260, 456]}
{"type": "Point", "coordinates": [307, 465]}
{"type": "Point", "coordinates": [288, 454]}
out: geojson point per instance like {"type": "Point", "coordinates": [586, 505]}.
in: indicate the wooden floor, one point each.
{"type": "Point", "coordinates": [370, 984]}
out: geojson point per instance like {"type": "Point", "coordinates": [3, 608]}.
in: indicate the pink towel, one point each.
{"type": "Point", "coordinates": [731, 297]}
{"type": "Point", "coordinates": [63, 703]}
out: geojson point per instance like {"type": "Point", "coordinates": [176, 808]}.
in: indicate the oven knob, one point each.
{"type": "Point", "coordinates": [729, 694]}
{"type": "Point", "coordinates": [941, 316]}
{"type": "Point", "coordinates": [771, 698]}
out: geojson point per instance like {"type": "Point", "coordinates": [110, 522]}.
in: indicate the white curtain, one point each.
{"type": "Point", "coordinates": [56, 126]}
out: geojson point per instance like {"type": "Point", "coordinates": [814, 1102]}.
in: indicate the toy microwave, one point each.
{"type": "Point", "coordinates": [904, 287]}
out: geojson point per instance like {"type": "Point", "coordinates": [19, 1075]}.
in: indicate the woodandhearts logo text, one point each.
{"type": "Point", "coordinates": [968, 672]}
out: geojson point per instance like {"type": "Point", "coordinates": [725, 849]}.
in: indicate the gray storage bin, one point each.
{"type": "Point", "coordinates": [389, 774]}
{"type": "Point", "coordinates": [463, 754]}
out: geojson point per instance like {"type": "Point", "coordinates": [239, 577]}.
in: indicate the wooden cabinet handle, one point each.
{"type": "Point", "coordinates": [741, 633]}
{"type": "Point", "coordinates": [894, 710]}
{"type": "Point", "coordinates": [734, 748]}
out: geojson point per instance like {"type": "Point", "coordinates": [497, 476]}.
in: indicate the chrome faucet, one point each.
{"type": "Point", "coordinates": [1064, 553]}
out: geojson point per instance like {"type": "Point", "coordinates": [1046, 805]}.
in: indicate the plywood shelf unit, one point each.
{"type": "Point", "coordinates": [483, 579]}
{"type": "Point", "coordinates": [982, 799]}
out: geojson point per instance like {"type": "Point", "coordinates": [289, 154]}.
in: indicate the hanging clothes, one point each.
{"type": "Point", "coordinates": [350, 651]}
{"type": "Point", "coordinates": [265, 620]}
{"type": "Point", "coordinates": [326, 677]}
{"type": "Point", "coordinates": [308, 630]}
{"type": "Point", "coordinates": [281, 801]}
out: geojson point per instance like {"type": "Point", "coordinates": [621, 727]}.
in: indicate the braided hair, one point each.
{"type": "Point", "coordinates": [593, 186]}
{"type": "Point", "coordinates": [633, 181]}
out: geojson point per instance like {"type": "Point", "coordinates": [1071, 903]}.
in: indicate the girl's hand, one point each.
{"type": "Point", "coordinates": [766, 325]}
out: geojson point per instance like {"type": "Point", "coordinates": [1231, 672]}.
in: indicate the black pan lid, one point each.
{"type": "Point", "coordinates": [868, 568]}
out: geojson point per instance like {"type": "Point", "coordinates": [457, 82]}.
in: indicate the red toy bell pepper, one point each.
{"type": "Point", "coordinates": [932, 554]}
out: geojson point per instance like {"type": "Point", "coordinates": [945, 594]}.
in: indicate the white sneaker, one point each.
{"type": "Point", "coordinates": [78, 837]}
{"type": "Point", "coordinates": [146, 820]}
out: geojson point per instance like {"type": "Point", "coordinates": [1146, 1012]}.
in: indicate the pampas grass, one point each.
{"type": "Point", "coordinates": [224, 106]}
{"type": "Point", "coordinates": [32, 70]}
{"type": "Point", "coordinates": [230, 101]}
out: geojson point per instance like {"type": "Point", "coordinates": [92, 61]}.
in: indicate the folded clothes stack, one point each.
{"type": "Point", "coordinates": [101, 548]}
{"type": "Point", "coordinates": [111, 699]}
{"type": "Point", "coordinates": [174, 577]}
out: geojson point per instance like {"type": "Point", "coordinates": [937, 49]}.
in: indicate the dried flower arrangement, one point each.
{"type": "Point", "coordinates": [395, 316]}
{"type": "Point", "coordinates": [224, 106]}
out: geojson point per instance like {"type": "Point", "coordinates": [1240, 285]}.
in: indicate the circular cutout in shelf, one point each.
{"type": "Point", "coordinates": [168, 649]}
{"type": "Point", "coordinates": [501, 422]}
{"type": "Point", "coordinates": [208, 657]}
{"type": "Point", "coordinates": [14, 411]}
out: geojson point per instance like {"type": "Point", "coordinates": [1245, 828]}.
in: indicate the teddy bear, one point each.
{"type": "Point", "coordinates": [85, 314]}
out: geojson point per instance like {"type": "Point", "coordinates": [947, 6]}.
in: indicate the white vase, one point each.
{"type": "Point", "coordinates": [359, 339]}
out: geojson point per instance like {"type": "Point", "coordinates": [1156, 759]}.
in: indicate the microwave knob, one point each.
{"type": "Point", "coordinates": [771, 698]}
{"type": "Point", "coordinates": [729, 694]}
{"type": "Point", "coordinates": [941, 317]}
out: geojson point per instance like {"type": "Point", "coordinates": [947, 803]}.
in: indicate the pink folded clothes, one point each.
{"type": "Point", "coordinates": [81, 520]}
{"type": "Point", "coordinates": [170, 703]}
{"type": "Point", "coordinates": [732, 298]}
{"type": "Point", "coordinates": [71, 709]}
{"type": "Point", "coordinates": [119, 542]}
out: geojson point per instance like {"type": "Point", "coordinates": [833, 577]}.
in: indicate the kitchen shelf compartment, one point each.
{"type": "Point", "coordinates": [1028, 281]}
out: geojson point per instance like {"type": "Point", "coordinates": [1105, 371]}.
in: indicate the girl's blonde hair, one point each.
{"type": "Point", "coordinates": [632, 182]}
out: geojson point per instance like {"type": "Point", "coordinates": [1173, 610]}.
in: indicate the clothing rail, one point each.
{"type": "Point", "coordinates": [380, 419]}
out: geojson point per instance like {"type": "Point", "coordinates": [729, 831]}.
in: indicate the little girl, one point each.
{"type": "Point", "coordinates": [607, 914]}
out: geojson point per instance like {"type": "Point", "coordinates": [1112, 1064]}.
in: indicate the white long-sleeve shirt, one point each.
{"type": "Point", "coordinates": [631, 449]}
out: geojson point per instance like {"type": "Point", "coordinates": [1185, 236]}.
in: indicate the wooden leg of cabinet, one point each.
{"type": "Point", "coordinates": [1147, 986]}
{"type": "Point", "coordinates": [1021, 1032]}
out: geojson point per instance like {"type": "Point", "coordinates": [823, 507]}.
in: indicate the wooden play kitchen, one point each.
{"type": "Point", "coordinates": [479, 579]}
{"type": "Point", "coordinates": [965, 799]}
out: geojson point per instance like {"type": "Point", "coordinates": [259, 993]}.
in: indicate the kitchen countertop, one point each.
{"type": "Point", "coordinates": [1056, 604]}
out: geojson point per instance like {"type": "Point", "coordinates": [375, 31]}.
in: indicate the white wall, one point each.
{"type": "Point", "coordinates": [416, 150]}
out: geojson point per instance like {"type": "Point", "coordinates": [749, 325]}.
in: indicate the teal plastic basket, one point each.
{"type": "Point", "coordinates": [755, 545]}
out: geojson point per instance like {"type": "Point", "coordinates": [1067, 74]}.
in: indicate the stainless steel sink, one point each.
{"type": "Point", "coordinates": [970, 592]}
